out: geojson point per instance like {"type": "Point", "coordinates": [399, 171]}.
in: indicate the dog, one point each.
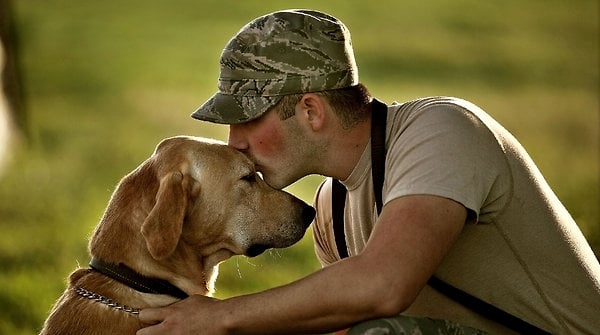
{"type": "Point", "coordinates": [169, 223]}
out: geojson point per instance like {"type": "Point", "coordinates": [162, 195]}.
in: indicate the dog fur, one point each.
{"type": "Point", "coordinates": [191, 205]}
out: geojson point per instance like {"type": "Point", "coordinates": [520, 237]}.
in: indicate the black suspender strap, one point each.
{"type": "Point", "coordinates": [338, 203]}
{"type": "Point", "coordinates": [378, 126]}
{"type": "Point", "coordinates": [483, 308]}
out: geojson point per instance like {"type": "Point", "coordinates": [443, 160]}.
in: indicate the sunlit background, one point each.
{"type": "Point", "coordinates": [105, 81]}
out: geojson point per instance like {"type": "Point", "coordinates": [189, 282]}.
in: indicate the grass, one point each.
{"type": "Point", "coordinates": [105, 81]}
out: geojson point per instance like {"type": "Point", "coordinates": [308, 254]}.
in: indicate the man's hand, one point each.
{"type": "Point", "coordinates": [189, 316]}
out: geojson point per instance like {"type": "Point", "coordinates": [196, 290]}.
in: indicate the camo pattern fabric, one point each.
{"type": "Point", "coordinates": [286, 52]}
{"type": "Point", "coordinates": [404, 325]}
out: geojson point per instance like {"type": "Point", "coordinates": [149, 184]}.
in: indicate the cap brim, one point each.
{"type": "Point", "coordinates": [232, 109]}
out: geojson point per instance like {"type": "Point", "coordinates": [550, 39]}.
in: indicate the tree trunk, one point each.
{"type": "Point", "coordinates": [12, 108]}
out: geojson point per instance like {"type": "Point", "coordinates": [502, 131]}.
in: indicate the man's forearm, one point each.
{"type": "Point", "coordinates": [330, 299]}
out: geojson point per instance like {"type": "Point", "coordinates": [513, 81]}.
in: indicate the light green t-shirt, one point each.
{"type": "Point", "coordinates": [521, 251]}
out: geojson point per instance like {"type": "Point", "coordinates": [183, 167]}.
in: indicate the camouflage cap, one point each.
{"type": "Point", "coordinates": [285, 52]}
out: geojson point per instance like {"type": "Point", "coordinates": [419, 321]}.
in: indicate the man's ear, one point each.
{"type": "Point", "coordinates": [163, 226]}
{"type": "Point", "coordinates": [312, 108]}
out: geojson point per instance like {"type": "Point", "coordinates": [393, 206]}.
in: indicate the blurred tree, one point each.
{"type": "Point", "coordinates": [12, 108]}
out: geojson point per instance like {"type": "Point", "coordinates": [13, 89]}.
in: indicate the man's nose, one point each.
{"type": "Point", "coordinates": [236, 138]}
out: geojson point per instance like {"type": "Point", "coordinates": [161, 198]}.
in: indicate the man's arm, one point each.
{"type": "Point", "coordinates": [410, 239]}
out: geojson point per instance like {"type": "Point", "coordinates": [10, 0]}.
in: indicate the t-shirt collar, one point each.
{"type": "Point", "coordinates": [360, 171]}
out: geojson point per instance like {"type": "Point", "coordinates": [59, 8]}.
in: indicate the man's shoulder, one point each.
{"type": "Point", "coordinates": [433, 101]}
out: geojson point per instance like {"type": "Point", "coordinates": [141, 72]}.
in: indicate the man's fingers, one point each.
{"type": "Point", "coordinates": [172, 319]}
{"type": "Point", "coordinates": [151, 316]}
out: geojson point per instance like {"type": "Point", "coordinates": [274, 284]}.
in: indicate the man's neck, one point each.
{"type": "Point", "coordinates": [347, 147]}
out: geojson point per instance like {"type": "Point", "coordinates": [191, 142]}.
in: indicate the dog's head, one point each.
{"type": "Point", "coordinates": [211, 197]}
{"type": "Point", "coordinates": [198, 202]}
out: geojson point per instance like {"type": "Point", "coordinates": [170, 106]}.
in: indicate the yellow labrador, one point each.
{"type": "Point", "coordinates": [169, 223]}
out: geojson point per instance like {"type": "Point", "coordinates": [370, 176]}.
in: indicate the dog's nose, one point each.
{"type": "Point", "coordinates": [308, 215]}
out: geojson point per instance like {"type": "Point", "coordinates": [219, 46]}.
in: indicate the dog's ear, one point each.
{"type": "Point", "coordinates": [162, 228]}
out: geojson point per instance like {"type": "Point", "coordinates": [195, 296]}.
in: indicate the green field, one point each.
{"type": "Point", "coordinates": [106, 80]}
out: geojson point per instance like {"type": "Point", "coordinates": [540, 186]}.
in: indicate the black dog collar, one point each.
{"type": "Point", "coordinates": [125, 275]}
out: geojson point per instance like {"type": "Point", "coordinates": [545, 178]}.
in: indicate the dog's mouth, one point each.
{"type": "Point", "coordinates": [256, 249]}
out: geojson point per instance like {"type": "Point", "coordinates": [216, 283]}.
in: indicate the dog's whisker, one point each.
{"type": "Point", "coordinates": [274, 253]}
{"type": "Point", "coordinates": [249, 262]}
{"type": "Point", "coordinates": [237, 263]}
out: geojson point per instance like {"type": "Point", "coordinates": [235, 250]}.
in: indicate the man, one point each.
{"type": "Point", "coordinates": [462, 201]}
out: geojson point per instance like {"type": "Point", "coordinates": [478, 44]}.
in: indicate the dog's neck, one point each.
{"type": "Point", "coordinates": [135, 280]}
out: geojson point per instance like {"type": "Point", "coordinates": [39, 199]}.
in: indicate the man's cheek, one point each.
{"type": "Point", "coordinates": [269, 143]}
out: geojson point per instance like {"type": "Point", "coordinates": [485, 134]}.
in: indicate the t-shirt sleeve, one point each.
{"type": "Point", "coordinates": [444, 149]}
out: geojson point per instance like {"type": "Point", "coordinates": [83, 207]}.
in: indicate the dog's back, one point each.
{"type": "Point", "coordinates": [75, 313]}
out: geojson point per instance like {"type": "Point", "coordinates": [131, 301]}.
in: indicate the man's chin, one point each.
{"type": "Point", "coordinates": [277, 185]}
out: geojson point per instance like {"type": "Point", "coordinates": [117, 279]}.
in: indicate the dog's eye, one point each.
{"type": "Point", "coordinates": [251, 177]}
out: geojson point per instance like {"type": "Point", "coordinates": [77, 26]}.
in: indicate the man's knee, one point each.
{"type": "Point", "coordinates": [401, 325]}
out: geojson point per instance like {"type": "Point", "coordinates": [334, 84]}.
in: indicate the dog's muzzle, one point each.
{"type": "Point", "coordinates": [307, 216]}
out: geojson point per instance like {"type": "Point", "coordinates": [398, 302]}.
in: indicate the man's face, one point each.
{"type": "Point", "coordinates": [272, 144]}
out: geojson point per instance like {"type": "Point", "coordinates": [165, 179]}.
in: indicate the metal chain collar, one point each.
{"type": "Point", "coordinates": [106, 301]}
